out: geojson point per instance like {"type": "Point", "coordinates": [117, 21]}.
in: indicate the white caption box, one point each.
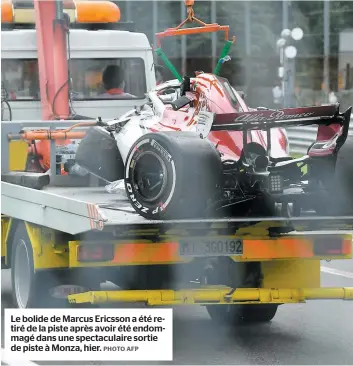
{"type": "Point", "coordinates": [89, 334]}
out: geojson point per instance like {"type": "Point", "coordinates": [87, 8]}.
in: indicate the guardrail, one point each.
{"type": "Point", "coordinates": [300, 138]}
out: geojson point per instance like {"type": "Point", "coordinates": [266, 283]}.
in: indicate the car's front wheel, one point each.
{"type": "Point", "coordinates": [172, 175]}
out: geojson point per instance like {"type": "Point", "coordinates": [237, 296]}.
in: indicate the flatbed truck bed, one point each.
{"type": "Point", "coordinates": [76, 209]}
{"type": "Point", "coordinates": [81, 209]}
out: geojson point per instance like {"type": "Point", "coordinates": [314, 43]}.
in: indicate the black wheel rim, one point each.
{"type": "Point", "coordinates": [149, 176]}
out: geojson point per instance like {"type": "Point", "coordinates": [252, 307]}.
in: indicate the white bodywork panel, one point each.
{"type": "Point", "coordinates": [138, 124]}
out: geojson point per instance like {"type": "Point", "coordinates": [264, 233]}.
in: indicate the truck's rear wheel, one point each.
{"type": "Point", "coordinates": [238, 275]}
{"type": "Point", "coordinates": [241, 314]}
{"type": "Point", "coordinates": [172, 175]}
{"type": "Point", "coordinates": [34, 289]}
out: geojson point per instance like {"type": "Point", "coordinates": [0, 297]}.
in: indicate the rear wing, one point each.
{"type": "Point", "coordinates": [284, 118]}
{"type": "Point", "coordinates": [289, 117]}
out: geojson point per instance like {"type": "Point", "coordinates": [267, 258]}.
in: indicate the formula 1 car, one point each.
{"type": "Point", "coordinates": [196, 150]}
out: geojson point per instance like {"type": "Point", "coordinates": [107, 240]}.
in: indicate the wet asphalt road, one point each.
{"type": "Point", "coordinates": [318, 332]}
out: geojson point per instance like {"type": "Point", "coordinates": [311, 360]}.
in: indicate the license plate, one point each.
{"type": "Point", "coordinates": [67, 156]}
{"type": "Point", "coordinates": [210, 247]}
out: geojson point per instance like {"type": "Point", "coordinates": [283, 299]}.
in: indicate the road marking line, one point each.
{"type": "Point", "coordinates": [337, 272]}
{"type": "Point", "coordinates": [16, 362]}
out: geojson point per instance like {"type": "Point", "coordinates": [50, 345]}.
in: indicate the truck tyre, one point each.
{"type": "Point", "coordinates": [242, 314]}
{"type": "Point", "coordinates": [172, 175]}
{"type": "Point", "coordinates": [31, 289]}
{"type": "Point", "coordinates": [238, 275]}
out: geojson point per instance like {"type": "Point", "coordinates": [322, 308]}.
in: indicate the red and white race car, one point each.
{"type": "Point", "coordinates": [195, 149]}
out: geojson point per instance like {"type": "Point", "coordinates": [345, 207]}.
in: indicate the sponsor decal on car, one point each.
{"type": "Point", "coordinates": [134, 200]}
{"type": "Point", "coordinates": [275, 116]}
{"type": "Point", "coordinates": [161, 149]}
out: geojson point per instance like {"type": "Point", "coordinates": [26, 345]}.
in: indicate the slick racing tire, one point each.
{"type": "Point", "coordinates": [170, 175]}
{"type": "Point", "coordinates": [341, 188]}
{"type": "Point", "coordinates": [99, 154]}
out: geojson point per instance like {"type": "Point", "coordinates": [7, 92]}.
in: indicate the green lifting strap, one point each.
{"type": "Point", "coordinates": [170, 66]}
{"type": "Point", "coordinates": [224, 53]}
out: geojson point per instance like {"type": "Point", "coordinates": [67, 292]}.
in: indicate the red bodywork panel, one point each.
{"type": "Point", "coordinates": [210, 95]}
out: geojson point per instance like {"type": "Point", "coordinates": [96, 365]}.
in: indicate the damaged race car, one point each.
{"type": "Point", "coordinates": [195, 150]}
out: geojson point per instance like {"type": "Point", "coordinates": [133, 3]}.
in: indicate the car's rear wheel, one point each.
{"type": "Point", "coordinates": [341, 187]}
{"type": "Point", "coordinates": [172, 175]}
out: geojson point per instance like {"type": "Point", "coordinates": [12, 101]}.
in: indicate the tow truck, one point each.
{"type": "Point", "coordinates": [94, 35]}
{"type": "Point", "coordinates": [64, 235]}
